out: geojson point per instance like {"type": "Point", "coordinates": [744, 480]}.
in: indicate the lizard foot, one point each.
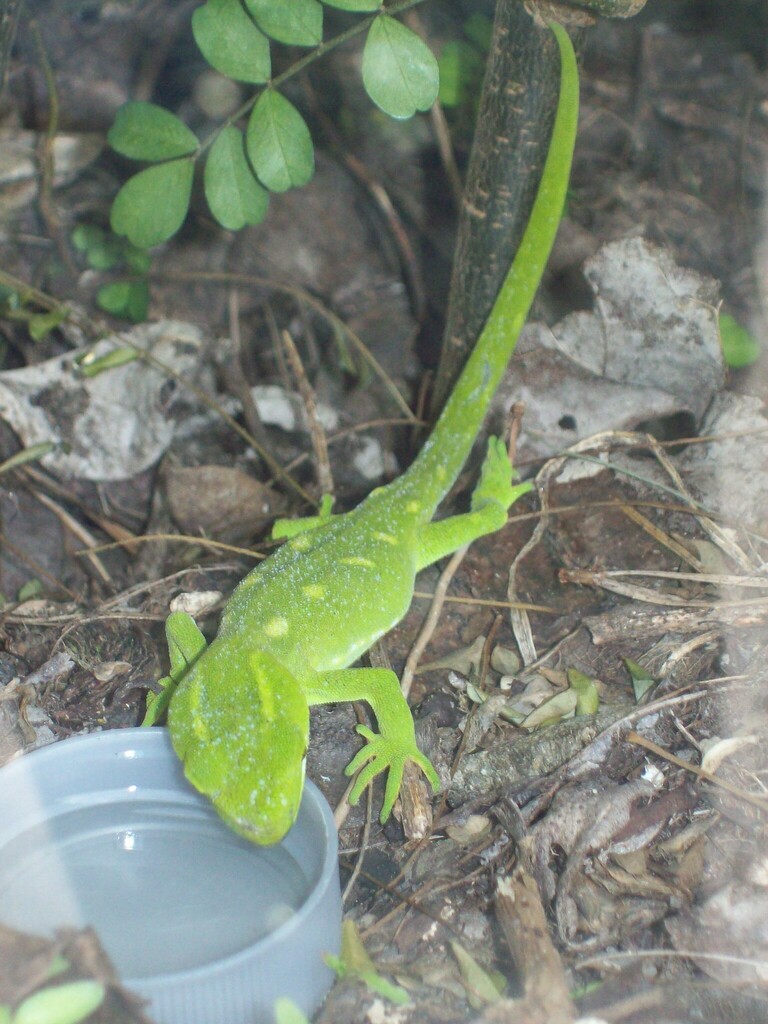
{"type": "Point", "coordinates": [495, 483]}
{"type": "Point", "coordinates": [380, 754]}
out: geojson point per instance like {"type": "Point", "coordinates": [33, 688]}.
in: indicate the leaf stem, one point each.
{"type": "Point", "coordinates": [397, 7]}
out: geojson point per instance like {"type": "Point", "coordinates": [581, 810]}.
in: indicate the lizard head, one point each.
{"type": "Point", "coordinates": [240, 724]}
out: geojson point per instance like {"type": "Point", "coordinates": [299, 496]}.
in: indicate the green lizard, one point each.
{"type": "Point", "coordinates": [238, 710]}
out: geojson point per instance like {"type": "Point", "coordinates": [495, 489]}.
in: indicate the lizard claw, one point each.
{"type": "Point", "coordinates": [380, 754]}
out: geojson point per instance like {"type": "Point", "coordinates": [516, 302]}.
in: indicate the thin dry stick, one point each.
{"type": "Point", "coordinates": [233, 372]}
{"type": "Point", "coordinates": [716, 533]}
{"type": "Point", "coordinates": [308, 299]}
{"type": "Point", "coordinates": [741, 794]}
{"type": "Point", "coordinates": [55, 489]}
{"type": "Point", "coordinates": [662, 537]}
{"type": "Point", "coordinates": [22, 557]}
{"type": "Point", "coordinates": [440, 128]}
{"type": "Point", "coordinates": [442, 135]}
{"type": "Point", "coordinates": [343, 807]}
{"type": "Point", "coordinates": [45, 158]}
{"type": "Point", "coordinates": [432, 887]}
{"type": "Point", "coordinates": [715, 579]}
{"type": "Point", "coordinates": [364, 840]}
{"type": "Point", "coordinates": [430, 623]}
{"type": "Point", "coordinates": [489, 602]}
{"type": "Point", "coordinates": [688, 954]}
{"type": "Point", "coordinates": [149, 538]}
{"type": "Point", "coordinates": [607, 581]}
{"type": "Point", "coordinates": [518, 617]}
{"type": "Point", "coordinates": [319, 442]}
{"type": "Point", "coordinates": [77, 530]}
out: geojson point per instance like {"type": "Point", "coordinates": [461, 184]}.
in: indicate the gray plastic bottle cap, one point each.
{"type": "Point", "coordinates": [104, 830]}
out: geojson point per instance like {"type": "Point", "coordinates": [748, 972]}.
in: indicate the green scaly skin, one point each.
{"type": "Point", "coordinates": [238, 710]}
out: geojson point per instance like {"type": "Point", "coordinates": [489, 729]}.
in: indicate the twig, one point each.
{"type": "Point", "coordinates": [148, 538]}
{"type": "Point", "coordinates": [364, 840]}
{"type": "Point", "coordinates": [490, 602]}
{"type": "Point", "coordinates": [662, 537]}
{"type": "Point", "coordinates": [702, 773]}
{"type": "Point", "coordinates": [433, 617]}
{"type": "Point", "coordinates": [232, 368]}
{"type": "Point", "coordinates": [302, 296]}
{"type": "Point", "coordinates": [22, 557]}
{"type": "Point", "coordinates": [77, 530]}
{"type": "Point", "coordinates": [319, 442]}
{"type": "Point", "coordinates": [546, 998]}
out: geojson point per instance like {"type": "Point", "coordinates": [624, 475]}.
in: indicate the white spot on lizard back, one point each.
{"type": "Point", "coordinates": [277, 626]}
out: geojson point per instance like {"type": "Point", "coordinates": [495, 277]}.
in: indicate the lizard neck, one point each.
{"type": "Point", "coordinates": [439, 462]}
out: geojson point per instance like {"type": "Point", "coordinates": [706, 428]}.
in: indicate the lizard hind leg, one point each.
{"type": "Point", "coordinates": [495, 487]}
{"type": "Point", "coordinates": [492, 497]}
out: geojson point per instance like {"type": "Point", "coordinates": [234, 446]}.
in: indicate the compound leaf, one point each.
{"type": "Point", "coordinates": [233, 194]}
{"type": "Point", "coordinates": [400, 72]}
{"type": "Point", "coordinates": [298, 22]}
{"type": "Point", "coordinates": [151, 206]}
{"type": "Point", "coordinates": [279, 144]}
{"type": "Point", "coordinates": [230, 42]}
{"type": "Point", "coordinates": [144, 131]}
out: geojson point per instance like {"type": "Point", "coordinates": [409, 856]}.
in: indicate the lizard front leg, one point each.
{"type": "Point", "coordinates": [395, 743]}
{"type": "Point", "coordinates": [284, 529]}
{"type": "Point", "coordinates": [185, 645]}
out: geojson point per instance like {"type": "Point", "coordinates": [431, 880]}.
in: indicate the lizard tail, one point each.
{"type": "Point", "coordinates": [440, 460]}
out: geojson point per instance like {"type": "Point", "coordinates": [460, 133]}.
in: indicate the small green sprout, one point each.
{"type": "Point", "coordinates": [69, 1003]}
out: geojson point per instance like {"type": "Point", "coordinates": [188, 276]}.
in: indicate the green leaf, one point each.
{"type": "Point", "coordinates": [126, 299]}
{"type": "Point", "coordinates": [91, 365]}
{"type": "Point", "coordinates": [144, 131]}
{"type": "Point", "coordinates": [84, 236]}
{"type": "Point", "coordinates": [642, 680]}
{"type": "Point", "coordinates": [34, 453]}
{"type": "Point", "coordinates": [233, 194]}
{"type": "Point", "coordinates": [279, 144]}
{"type": "Point", "coordinates": [27, 591]}
{"type": "Point", "coordinates": [587, 694]}
{"type": "Point", "coordinates": [480, 986]}
{"type": "Point", "coordinates": [287, 1012]}
{"type": "Point", "coordinates": [354, 5]}
{"type": "Point", "coordinates": [9, 299]}
{"type": "Point", "coordinates": [61, 1004]}
{"type": "Point", "coordinates": [58, 965]}
{"type": "Point", "coordinates": [460, 69]}
{"type": "Point", "coordinates": [554, 709]}
{"type": "Point", "coordinates": [400, 72]}
{"type": "Point", "coordinates": [354, 962]}
{"type": "Point", "coordinates": [151, 206]}
{"type": "Point", "coordinates": [102, 250]}
{"type": "Point", "coordinates": [740, 348]}
{"type": "Point", "coordinates": [299, 22]}
{"type": "Point", "coordinates": [230, 42]}
{"type": "Point", "coordinates": [40, 325]}
{"type": "Point", "coordinates": [138, 260]}
{"type": "Point", "coordinates": [478, 29]}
